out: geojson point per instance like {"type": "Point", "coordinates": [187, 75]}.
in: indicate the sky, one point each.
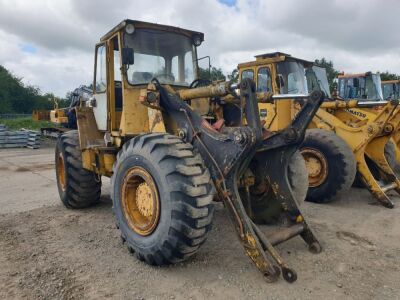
{"type": "Point", "coordinates": [50, 44]}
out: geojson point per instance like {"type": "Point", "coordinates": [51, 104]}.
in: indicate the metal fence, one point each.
{"type": "Point", "coordinates": [15, 116]}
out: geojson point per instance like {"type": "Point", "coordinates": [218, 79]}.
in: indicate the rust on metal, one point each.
{"type": "Point", "coordinates": [61, 171]}
{"type": "Point", "coordinates": [317, 166]}
{"type": "Point", "coordinates": [140, 201]}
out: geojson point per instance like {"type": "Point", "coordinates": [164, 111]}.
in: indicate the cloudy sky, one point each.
{"type": "Point", "coordinates": [50, 43]}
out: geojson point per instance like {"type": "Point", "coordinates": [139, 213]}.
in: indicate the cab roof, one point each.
{"type": "Point", "coordinates": [141, 24]}
{"type": "Point", "coordinates": [390, 81]}
{"type": "Point", "coordinates": [274, 57]}
{"type": "Point", "coordinates": [356, 75]}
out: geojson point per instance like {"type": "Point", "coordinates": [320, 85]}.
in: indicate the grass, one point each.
{"type": "Point", "coordinates": [27, 123]}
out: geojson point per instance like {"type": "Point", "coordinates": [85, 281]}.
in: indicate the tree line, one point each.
{"type": "Point", "coordinates": [17, 97]}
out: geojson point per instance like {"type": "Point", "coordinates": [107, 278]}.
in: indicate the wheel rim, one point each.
{"type": "Point", "coordinates": [140, 201]}
{"type": "Point", "coordinates": [317, 166]}
{"type": "Point", "coordinates": [61, 171]}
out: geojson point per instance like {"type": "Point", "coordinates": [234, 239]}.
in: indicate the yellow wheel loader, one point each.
{"type": "Point", "coordinates": [56, 115]}
{"type": "Point", "coordinates": [170, 142]}
{"type": "Point", "coordinates": [337, 142]}
{"type": "Point", "coordinates": [367, 86]}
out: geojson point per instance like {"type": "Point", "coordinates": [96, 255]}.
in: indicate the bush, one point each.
{"type": "Point", "coordinates": [27, 123]}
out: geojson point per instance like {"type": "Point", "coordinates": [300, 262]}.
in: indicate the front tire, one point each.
{"type": "Point", "coordinates": [330, 163]}
{"type": "Point", "coordinates": [390, 155]}
{"type": "Point", "coordinates": [162, 196]}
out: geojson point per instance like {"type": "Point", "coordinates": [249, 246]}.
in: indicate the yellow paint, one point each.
{"type": "Point", "coordinates": [362, 129]}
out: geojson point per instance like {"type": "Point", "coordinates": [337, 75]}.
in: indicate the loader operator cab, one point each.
{"type": "Point", "coordinates": [391, 89]}
{"type": "Point", "coordinates": [127, 58]}
{"type": "Point", "coordinates": [169, 57]}
{"type": "Point", "coordinates": [276, 72]}
{"type": "Point", "coordinates": [281, 74]}
{"type": "Point", "coordinates": [364, 86]}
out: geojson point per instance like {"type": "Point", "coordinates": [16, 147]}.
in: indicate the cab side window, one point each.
{"type": "Point", "coordinates": [248, 74]}
{"type": "Point", "coordinates": [101, 70]}
{"type": "Point", "coordinates": [264, 83]}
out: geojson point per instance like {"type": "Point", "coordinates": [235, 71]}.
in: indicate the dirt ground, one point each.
{"type": "Point", "coordinates": [50, 252]}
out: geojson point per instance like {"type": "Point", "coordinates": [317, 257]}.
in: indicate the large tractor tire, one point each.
{"type": "Point", "coordinates": [265, 209]}
{"type": "Point", "coordinates": [78, 188]}
{"type": "Point", "coordinates": [298, 177]}
{"type": "Point", "coordinates": [161, 193]}
{"type": "Point", "coordinates": [330, 163]}
{"type": "Point", "coordinates": [390, 155]}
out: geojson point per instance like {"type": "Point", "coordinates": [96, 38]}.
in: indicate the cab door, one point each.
{"type": "Point", "coordinates": [99, 102]}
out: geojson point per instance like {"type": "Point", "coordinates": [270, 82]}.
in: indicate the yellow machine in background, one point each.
{"type": "Point", "coordinates": [337, 142]}
{"type": "Point", "coordinates": [41, 115]}
{"type": "Point", "coordinates": [368, 86]}
{"type": "Point", "coordinates": [56, 115]}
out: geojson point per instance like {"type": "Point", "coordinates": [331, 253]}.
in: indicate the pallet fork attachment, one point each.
{"type": "Point", "coordinates": [227, 154]}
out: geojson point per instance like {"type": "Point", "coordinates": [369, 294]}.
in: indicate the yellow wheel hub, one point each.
{"type": "Point", "coordinates": [317, 166]}
{"type": "Point", "coordinates": [144, 199]}
{"type": "Point", "coordinates": [61, 171]}
{"type": "Point", "coordinates": [140, 201]}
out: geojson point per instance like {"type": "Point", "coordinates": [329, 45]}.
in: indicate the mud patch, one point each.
{"type": "Point", "coordinates": [22, 169]}
{"type": "Point", "coordinates": [355, 240]}
{"type": "Point", "coordinates": [35, 168]}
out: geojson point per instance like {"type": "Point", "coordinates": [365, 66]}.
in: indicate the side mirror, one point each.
{"type": "Point", "coordinates": [335, 83]}
{"type": "Point", "coordinates": [127, 56]}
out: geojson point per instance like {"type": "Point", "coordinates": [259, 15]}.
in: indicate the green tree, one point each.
{"type": "Point", "coordinates": [16, 97]}
{"type": "Point", "coordinates": [234, 76]}
{"type": "Point", "coordinates": [11, 90]}
{"type": "Point", "coordinates": [389, 76]}
{"type": "Point", "coordinates": [214, 74]}
{"type": "Point", "coordinates": [331, 72]}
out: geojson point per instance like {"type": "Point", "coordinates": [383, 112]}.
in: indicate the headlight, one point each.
{"type": "Point", "coordinates": [129, 29]}
{"type": "Point", "coordinates": [197, 40]}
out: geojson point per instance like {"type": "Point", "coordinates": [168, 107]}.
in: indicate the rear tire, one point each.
{"type": "Point", "coordinates": [78, 188]}
{"type": "Point", "coordinates": [330, 163]}
{"type": "Point", "coordinates": [180, 211]}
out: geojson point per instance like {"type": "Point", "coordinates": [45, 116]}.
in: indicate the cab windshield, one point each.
{"type": "Point", "coordinates": [317, 80]}
{"type": "Point", "coordinates": [291, 78]}
{"type": "Point", "coordinates": [367, 87]}
{"type": "Point", "coordinates": [167, 56]}
{"type": "Point", "coordinates": [390, 91]}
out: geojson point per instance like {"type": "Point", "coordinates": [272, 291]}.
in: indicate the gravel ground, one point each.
{"type": "Point", "coordinates": [49, 252]}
